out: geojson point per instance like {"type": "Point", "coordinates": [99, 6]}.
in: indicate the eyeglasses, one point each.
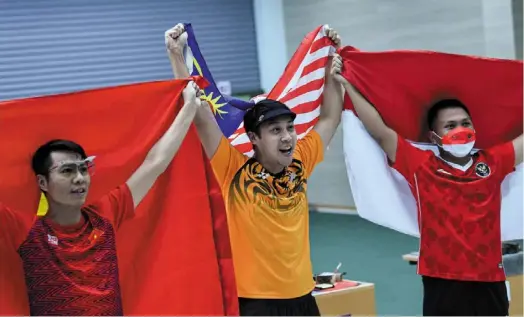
{"type": "Point", "coordinates": [68, 168]}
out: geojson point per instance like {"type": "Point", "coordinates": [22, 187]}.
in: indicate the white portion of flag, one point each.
{"type": "Point", "coordinates": [382, 195]}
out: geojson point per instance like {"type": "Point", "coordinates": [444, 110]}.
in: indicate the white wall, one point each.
{"type": "Point", "coordinates": [271, 41]}
{"type": "Point", "coordinates": [497, 20]}
{"type": "Point", "coordinates": [476, 27]}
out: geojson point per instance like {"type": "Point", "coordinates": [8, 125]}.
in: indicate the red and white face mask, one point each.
{"type": "Point", "coordinates": [458, 142]}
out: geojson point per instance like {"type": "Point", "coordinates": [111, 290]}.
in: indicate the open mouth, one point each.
{"type": "Point", "coordinates": [286, 150]}
{"type": "Point", "coordinates": [79, 191]}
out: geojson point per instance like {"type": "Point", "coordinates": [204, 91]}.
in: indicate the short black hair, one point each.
{"type": "Point", "coordinates": [41, 162]}
{"type": "Point", "coordinates": [441, 105]}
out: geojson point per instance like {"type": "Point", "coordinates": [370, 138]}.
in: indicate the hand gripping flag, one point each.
{"type": "Point", "coordinates": [229, 111]}
{"type": "Point", "coordinates": [300, 87]}
{"type": "Point", "coordinates": [172, 256]}
{"type": "Point", "coordinates": [402, 85]}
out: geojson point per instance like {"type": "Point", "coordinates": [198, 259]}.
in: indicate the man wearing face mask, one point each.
{"type": "Point", "coordinates": [458, 194]}
{"type": "Point", "coordinates": [265, 195]}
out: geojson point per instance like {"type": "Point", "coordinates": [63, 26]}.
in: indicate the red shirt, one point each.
{"type": "Point", "coordinates": [458, 211]}
{"type": "Point", "coordinates": [70, 270]}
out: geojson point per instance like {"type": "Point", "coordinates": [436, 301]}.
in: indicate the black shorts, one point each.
{"type": "Point", "coordinates": [301, 306]}
{"type": "Point", "coordinates": [464, 298]}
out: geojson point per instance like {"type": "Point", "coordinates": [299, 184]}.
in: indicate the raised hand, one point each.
{"type": "Point", "coordinates": [336, 69]}
{"type": "Point", "coordinates": [176, 39]}
{"type": "Point", "coordinates": [333, 36]}
{"type": "Point", "coordinates": [192, 95]}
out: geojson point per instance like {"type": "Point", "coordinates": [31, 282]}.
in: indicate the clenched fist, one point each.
{"type": "Point", "coordinates": [176, 39]}
{"type": "Point", "coordinates": [336, 69]}
{"type": "Point", "coordinates": [333, 36]}
{"type": "Point", "coordinates": [192, 94]}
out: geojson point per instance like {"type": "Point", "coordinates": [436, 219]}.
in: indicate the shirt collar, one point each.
{"type": "Point", "coordinates": [457, 166]}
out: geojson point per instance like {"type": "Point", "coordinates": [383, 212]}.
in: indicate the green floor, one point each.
{"type": "Point", "coordinates": [368, 253]}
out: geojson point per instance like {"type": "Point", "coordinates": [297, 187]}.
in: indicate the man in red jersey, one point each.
{"type": "Point", "coordinates": [69, 255]}
{"type": "Point", "coordinates": [458, 193]}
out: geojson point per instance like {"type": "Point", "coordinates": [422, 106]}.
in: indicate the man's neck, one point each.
{"type": "Point", "coordinates": [462, 161]}
{"type": "Point", "coordinates": [64, 215]}
{"type": "Point", "coordinates": [271, 168]}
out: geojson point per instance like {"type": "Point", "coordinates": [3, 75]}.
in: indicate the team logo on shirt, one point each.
{"type": "Point", "coordinates": [52, 239]}
{"type": "Point", "coordinates": [95, 234]}
{"type": "Point", "coordinates": [482, 169]}
{"type": "Point", "coordinates": [262, 175]}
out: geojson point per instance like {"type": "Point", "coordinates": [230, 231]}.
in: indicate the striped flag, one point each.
{"type": "Point", "coordinates": [300, 87]}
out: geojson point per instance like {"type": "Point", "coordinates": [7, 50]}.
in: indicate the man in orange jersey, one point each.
{"type": "Point", "coordinates": [265, 195]}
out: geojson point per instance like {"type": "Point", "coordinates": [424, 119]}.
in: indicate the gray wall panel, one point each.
{"type": "Point", "coordinates": [375, 25]}
{"type": "Point", "coordinates": [50, 46]}
{"type": "Point", "coordinates": [517, 12]}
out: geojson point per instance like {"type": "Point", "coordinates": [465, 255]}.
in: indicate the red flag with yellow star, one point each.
{"type": "Point", "coordinates": [176, 253]}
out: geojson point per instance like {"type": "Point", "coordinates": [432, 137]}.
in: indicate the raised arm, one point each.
{"type": "Point", "coordinates": [518, 146]}
{"type": "Point", "coordinates": [207, 127]}
{"type": "Point", "coordinates": [371, 119]}
{"type": "Point", "coordinates": [163, 152]}
{"type": "Point", "coordinates": [331, 109]}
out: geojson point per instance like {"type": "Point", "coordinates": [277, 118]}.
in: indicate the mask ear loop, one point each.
{"type": "Point", "coordinates": [90, 162]}
{"type": "Point", "coordinates": [438, 136]}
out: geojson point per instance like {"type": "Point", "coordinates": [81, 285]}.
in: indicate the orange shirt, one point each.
{"type": "Point", "coordinates": [268, 219]}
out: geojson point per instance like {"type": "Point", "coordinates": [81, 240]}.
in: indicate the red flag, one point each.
{"type": "Point", "coordinates": [174, 258]}
{"type": "Point", "coordinates": [402, 85]}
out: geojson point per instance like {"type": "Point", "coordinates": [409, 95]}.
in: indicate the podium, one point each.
{"type": "Point", "coordinates": [347, 298]}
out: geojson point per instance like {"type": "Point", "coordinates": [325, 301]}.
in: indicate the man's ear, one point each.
{"type": "Point", "coordinates": [252, 137]}
{"type": "Point", "coordinates": [42, 183]}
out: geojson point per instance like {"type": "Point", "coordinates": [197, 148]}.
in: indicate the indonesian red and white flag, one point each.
{"type": "Point", "coordinates": [402, 85]}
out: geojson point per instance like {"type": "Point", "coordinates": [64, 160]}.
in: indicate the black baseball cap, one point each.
{"type": "Point", "coordinates": [264, 111]}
